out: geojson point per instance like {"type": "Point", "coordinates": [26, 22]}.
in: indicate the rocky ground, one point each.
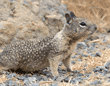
{"type": "Point", "coordinates": [24, 19]}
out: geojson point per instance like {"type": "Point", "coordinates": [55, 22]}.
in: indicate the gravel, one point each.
{"type": "Point", "coordinates": [11, 83]}
{"type": "Point", "coordinates": [96, 82]}
{"type": "Point", "coordinates": [98, 54]}
{"type": "Point", "coordinates": [10, 76]}
{"type": "Point", "coordinates": [54, 84]}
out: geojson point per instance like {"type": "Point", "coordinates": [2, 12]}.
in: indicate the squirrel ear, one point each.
{"type": "Point", "coordinates": [68, 18]}
{"type": "Point", "coordinates": [72, 15]}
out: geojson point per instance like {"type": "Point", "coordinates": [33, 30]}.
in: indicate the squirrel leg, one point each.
{"type": "Point", "coordinates": [67, 63]}
{"type": "Point", "coordinates": [54, 66]}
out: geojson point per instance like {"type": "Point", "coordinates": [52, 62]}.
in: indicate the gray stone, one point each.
{"type": "Point", "coordinates": [60, 64]}
{"type": "Point", "coordinates": [108, 76]}
{"type": "Point", "coordinates": [11, 83]}
{"type": "Point", "coordinates": [39, 78]}
{"type": "Point", "coordinates": [11, 75]}
{"type": "Point", "coordinates": [73, 81]}
{"type": "Point", "coordinates": [62, 71]}
{"type": "Point", "coordinates": [45, 78]}
{"type": "Point", "coordinates": [84, 55]}
{"type": "Point", "coordinates": [31, 79]}
{"type": "Point", "coordinates": [98, 54]}
{"type": "Point", "coordinates": [108, 46]}
{"type": "Point", "coordinates": [107, 65]}
{"type": "Point", "coordinates": [26, 82]}
{"type": "Point", "coordinates": [75, 56]}
{"type": "Point", "coordinates": [81, 45]}
{"type": "Point", "coordinates": [108, 80]}
{"type": "Point", "coordinates": [3, 84]}
{"type": "Point", "coordinates": [73, 62]}
{"type": "Point", "coordinates": [54, 84]}
{"type": "Point", "coordinates": [96, 82]}
{"type": "Point", "coordinates": [67, 79]}
{"type": "Point", "coordinates": [21, 78]}
{"type": "Point", "coordinates": [34, 84]}
{"type": "Point", "coordinates": [102, 70]}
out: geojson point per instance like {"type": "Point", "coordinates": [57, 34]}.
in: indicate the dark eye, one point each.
{"type": "Point", "coordinates": [83, 24]}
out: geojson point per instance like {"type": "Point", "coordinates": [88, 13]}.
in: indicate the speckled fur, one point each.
{"type": "Point", "coordinates": [34, 54]}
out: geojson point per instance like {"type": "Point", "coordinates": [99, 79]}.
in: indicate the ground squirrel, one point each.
{"type": "Point", "coordinates": [34, 54]}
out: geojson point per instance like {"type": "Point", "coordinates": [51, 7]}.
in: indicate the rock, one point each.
{"type": "Point", "coordinates": [11, 75]}
{"type": "Point", "coordinates": [54, 84]}
{"type": "Point", "coordinates": [45, 78]}
{"type": "Point", "coordinates": [108, 76]}
{"type": "Point", "coordinates": [101, 70]}
{"type": "Point", "coordinates": [81, 45]}
{"type": "Point", "coordinates": [79, 79]}
{"type": "Point", "coordinates": [11, 83]}
{"type": "Point", "coordinates": [35, 84]}
{"type": "Point", "coordinates": [96, 82]}
{"type": "Point", "coordinates": [108, 80]}
{"type": "Point", "coordinates": [39, 78]}
{"type": "Point", "coordinates": [85, 55]}
{"type": "Point", "coordinates": [60, 64]}
{"type": "Point", "coordinates": [79, 74]}
{"type": "Point", "coordinates": [98, 54]}
{"type": "Point", "coordinates": [3, 84]}
{"type": "Point", "coordinates": [107, 65]}
{"type": "Point", "coordinates": [26, 82]}
{"type": "Point", "coordinates": [75, 56]}
{"type": "Point", "coordinates": [62, 71]}
{"type": "Point", "coordinates": [21, 78]}
{"type": "Point", "coordinates": [108, 46]}
{"type": "Point", "coordinates": [27, 75]}
{"type": "Point", "coordinates": [108, 31]}
{"type": "Point", "coordinates": [71, 74]}
{"type": "Point", "coordinates": [73, 81]}
{"type": "Point", "coordinates": [73, 62]}
{"type": "Point", "coordinates": [31, 79]}
{"type": "Point", "coordinates": [67, 79]}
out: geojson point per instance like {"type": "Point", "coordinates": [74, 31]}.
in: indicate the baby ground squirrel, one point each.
{"type": "Point", "coordinates": [35, 54]}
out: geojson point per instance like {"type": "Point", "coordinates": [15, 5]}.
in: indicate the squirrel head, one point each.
{"type": "Point", "coordinates": [77, 27]}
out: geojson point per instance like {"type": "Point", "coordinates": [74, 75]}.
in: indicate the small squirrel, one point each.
{"type": "Point", "coordinates": [35, 54]}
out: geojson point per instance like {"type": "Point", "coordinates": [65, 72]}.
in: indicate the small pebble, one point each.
{"type": "Point", "coordinates": [81, 45]}
{"type": "Point", "coordinates": [11, 83]}
{"type": "Point", "coordinates": [54, 84]}
{"type": "Point", "coordinates": [26, 82]}
{"type": "Point", "coordinates": [20, 78]}
{"type": "Point", "coordinates": [31, 79]}
{"type": "Point", "coordinates": [35, 84]}
{"type": "Point", "coordinates": [67, 79]}
{"type": "Point", "coordinates": [107, 65]}
{"type": "Point", "coordinates": [96, 82]}
{"type": "Point", "coordinates": [11, 75]}
{"type": "Point", "coordinates": [98, 54]}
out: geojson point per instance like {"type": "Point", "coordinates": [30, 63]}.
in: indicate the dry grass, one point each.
{"type": "Point", "coordinates": [92, 62]}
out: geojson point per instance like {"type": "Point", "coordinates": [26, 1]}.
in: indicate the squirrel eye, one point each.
{"type": "Point", "coordinates": [83, 24]}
